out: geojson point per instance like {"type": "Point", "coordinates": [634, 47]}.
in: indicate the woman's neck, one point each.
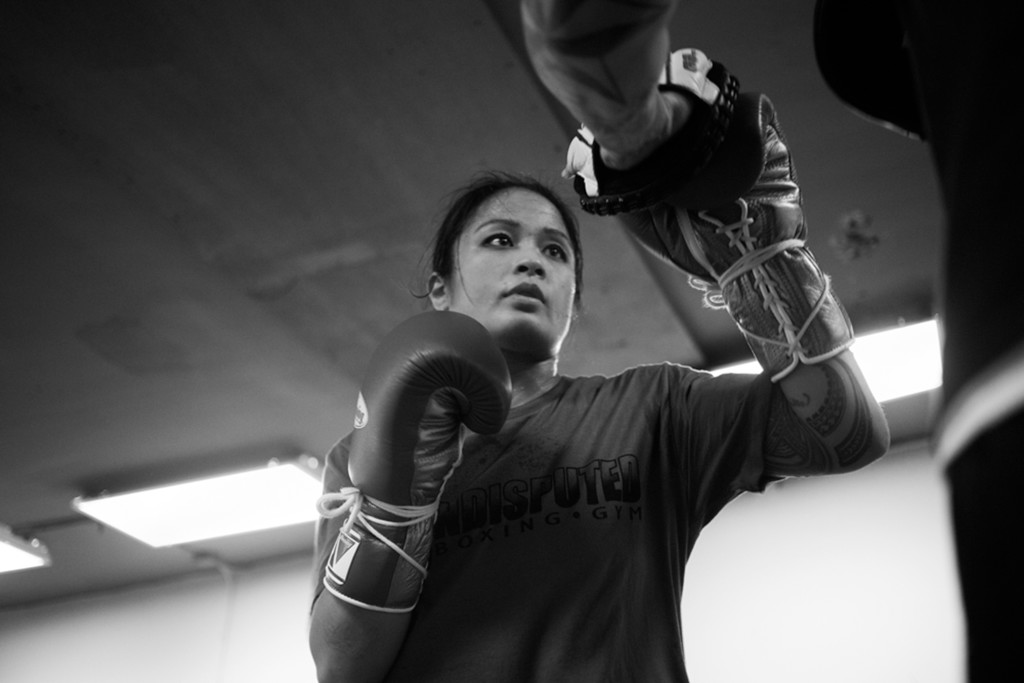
{"type": "Point", "coordinates": [531, 378]}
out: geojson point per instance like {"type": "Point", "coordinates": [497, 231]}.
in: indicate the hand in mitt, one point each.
{"type": "Point", "coordinates": [711, 91]}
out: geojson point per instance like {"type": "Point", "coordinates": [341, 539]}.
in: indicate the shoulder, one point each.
{"type": "Point", "coordinates": [680, 389]}
{"type": "Point", "coordinates": [655, 382]}
{"type": "Point", "coordinates": [647, 374]}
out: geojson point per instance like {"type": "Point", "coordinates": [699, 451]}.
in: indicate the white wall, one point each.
{"type": "Point", "coordinates": [817, 581]}
{"type": "Point", "coordinates": [251, 629]}
{"type": "Point", "coordinates": [836, 580]}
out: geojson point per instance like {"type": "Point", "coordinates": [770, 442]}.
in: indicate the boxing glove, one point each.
{"type": "Point", "coordinates": [749, 255]}
{"type": "Point", "coordinates": [432, 374]}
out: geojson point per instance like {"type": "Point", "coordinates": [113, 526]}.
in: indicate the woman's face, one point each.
{"type": "Point", "coordinates": [514, 273]}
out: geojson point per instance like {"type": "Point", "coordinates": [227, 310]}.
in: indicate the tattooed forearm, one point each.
{"type": "Point", "coordinates": [823, 421]}
{"type": "Point", "coordinates": [829, 413]}
{"type": "Point", "coordinates": [791, 447]}
{"type": "Point", "coordinates": [859, 434]}
{"type": "Point", "coordinates": [843, 406]}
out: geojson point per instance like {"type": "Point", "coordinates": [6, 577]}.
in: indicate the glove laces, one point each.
{"type": "Point", "coordinates": [350, 501]}
{"type": "Point", "coordinates": [750, 260]}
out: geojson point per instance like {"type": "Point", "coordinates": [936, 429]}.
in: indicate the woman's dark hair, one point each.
{"type": "Point", "coordinates": [466, 200]}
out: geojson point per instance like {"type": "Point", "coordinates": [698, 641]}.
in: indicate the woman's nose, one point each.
{"type": "Point", "coordinates": [531, 266]}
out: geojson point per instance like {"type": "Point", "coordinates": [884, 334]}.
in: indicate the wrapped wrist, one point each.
{"type": "Point", "coordinates": [380, 556]}
{"type": "Point", "coordinates": [788, 313]}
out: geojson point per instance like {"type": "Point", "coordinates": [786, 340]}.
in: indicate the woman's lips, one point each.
{"type": "Point", "coordinates": [528, 290]}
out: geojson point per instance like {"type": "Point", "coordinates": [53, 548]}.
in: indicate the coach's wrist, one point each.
{"type": "Point", "coordinates": [630, 141]}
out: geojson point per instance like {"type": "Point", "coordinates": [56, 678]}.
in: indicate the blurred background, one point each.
{"type": "Point", "coordinates": [212, 212]}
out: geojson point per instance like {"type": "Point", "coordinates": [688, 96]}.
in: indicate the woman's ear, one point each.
{"type": "Point", "coordinates": [438, 293]}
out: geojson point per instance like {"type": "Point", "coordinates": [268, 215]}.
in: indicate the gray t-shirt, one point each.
{"type": "Point", "coordinates": [560, 543]}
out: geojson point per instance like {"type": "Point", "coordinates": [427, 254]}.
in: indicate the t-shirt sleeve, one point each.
{"type": "Point", "coordinates": [720, 425]}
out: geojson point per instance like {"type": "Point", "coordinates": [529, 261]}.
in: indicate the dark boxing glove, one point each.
{"type": "Point", "coordinates": [432, 374]}
{"type": "Point", "coordinates": [748, 254]}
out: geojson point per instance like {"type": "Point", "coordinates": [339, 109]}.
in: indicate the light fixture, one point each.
{"type": "Point", "coordinates": [17, 553]}
{"type": "Point", "coordinates": [277, 495]}
{"type": "Point", "coordinates": [897, 362]}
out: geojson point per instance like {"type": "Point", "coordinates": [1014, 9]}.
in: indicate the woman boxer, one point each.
{"type": "Point", "coordinates": [550, 543]}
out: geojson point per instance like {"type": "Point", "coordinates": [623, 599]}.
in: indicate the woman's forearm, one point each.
{"type": "Point", "coordinates": [353, 644]}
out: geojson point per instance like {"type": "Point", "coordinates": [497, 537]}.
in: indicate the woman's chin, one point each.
{"type": "Point", "coordinates": [527, 342]}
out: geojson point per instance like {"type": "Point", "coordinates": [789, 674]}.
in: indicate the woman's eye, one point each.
{"type": "Point", "coordinates": [499, 239]}
{"type": "Point", "coordinates": [558, 252]}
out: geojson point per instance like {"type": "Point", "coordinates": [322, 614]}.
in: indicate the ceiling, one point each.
{"type": "Point", "coordinates": [212, 211]}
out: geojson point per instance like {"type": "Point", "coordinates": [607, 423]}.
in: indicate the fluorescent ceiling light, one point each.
{"type": "Point", "coordinates": [897, 362]}
{"type": "Point", "coordinates": [17, 553]}
{"type": "Point", "coordinates": [263, 498]}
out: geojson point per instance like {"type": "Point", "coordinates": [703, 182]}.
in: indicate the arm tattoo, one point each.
{"type": "Point", "coordinates": [826, 418]}
{"type": "Point", "coordinates": [859, 435]}
{"type": "Point", "coordinates": [835, 435]}
{"type": "Point", "coordinates": [792, 449]}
